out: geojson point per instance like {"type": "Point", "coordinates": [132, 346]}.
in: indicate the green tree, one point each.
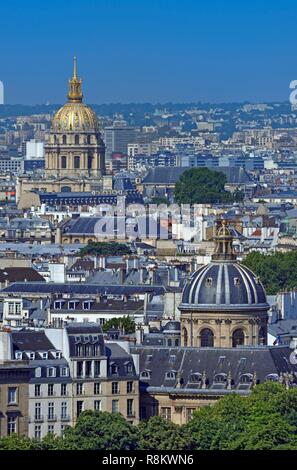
{"type": "Point", "coordinates": [218, 426]}
{"type": "Point", "coordinates": [104, 248]}
{"type": "Point", "coordinates": [160, 434]}
{"type": "Point", "coordinates": [277, 271]}
{"type": "Point", "coordinates": [124, 324]}
{"type": "Point", "coordinates": [15, 442]}
{"type": "Point", "coordinates": [97, 430]}
{"type": "Point", "coordinates": [201, 186]}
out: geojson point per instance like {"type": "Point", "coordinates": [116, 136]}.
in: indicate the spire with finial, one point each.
{"type": "Point", "coordinates": [75, 86]}
{"type": "Point", "coordinates": [223, 239]}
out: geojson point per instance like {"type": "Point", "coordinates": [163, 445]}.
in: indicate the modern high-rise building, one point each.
{"type": "Point", "coordinates": [34, 150]}
{"type": "Point", "coordinates": [117, 138]}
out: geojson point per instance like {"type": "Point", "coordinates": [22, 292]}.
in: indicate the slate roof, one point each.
{"type": "Point", "coordinates": [20, 274]}
{"type": "Point", "coordinates": [216, 363]}
{"type": "Point", "coordinates": [30, 340]}
{"type": "Point", "coordinates": [224, 285]}
{"type": "Point", "coordinates": [108, 305]}
{"type": "Point", "coordinates": [48, 288]}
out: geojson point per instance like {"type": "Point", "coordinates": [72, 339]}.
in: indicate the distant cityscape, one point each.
{"type": "Point", "coordinates": [132, 239]}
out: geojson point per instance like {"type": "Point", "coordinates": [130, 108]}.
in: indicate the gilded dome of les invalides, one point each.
{"type": "Point", "coordinates": [75, 115]}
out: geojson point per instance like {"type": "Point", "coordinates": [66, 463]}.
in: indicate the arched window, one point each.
{"type": "Point", "coordinates": [246, 378]}
{"type": "Point", "coordinates": [185, 337]}
{"type": "Point", "coordinates": [77, 162]}
{"type": "Point", "coordinates": [195, 378]}
{"type": "Point", "coordinates": [220, 378]}
{"type": "Point", "coordinates": [206, 338]}
{"type": "Point", "coordinates": [237, 338]}
{"type": "Point", "coordinates": [262, 335]}
{"type": "Point", "coordinates": [63, 162]}
{"type": "Point", "coordinates": [272, 377]}
{"type": "Point", "coordinates": [64, 140]}
{"type": "Point", "coordinates": [76, 140]}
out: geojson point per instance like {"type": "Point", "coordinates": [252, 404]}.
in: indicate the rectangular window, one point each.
{"type": "Point", "coordinates": [165, 413]}
{"type": "Point", "coordinates": [130, 411]}
{"type": "Point", "coordinates": [12, 395]}
{"type": "Point", "coordinates": [51, 410]}
{"type": "Point", "coordinates": [189, 413]}
{"type": "Point", "coordinates": [97, 405]}
{"type": "Point", "coordinates": [129, 387]}
{"type": "Point", "coordinates": [64, 371]}
{"type": "Point", "coordinates": [11, 425]}
{"type": "Point", "coordinates": [79, 389]}
{"type": "Point", "coordinates": [64, 409]}
{"type": "Point", "coordinates": [114, 388]}
{"type": "Point", "coordinates": [51, 429]}
{"type": "Point", "coordinates": [115, 406]}
{"type": "Point", "coordinates": [88, 368]}
{"type": "Point", "coordinates": [79, 407]}
{"type": "Point", "coordinates": [50, 390]}
{"type": "Point", "coordinates": [97, 368]}
{"type": "Point", "coordinates": [64, 390]}
{"type": "Point", "coordinates": [51, 372]}
{"type": "Point", "coordinates": [97, 388]}
{"type": "Point", "coordinates": [37, 431]}
{"type": "Point", "coordinates": [37, 390]}
{"type": "Point", "coordinates": [38, 410]}
{"type": "Point", "coordinates": [79, 368]}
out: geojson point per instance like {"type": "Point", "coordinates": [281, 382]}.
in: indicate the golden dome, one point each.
{"type": "Point", "coordinates": [75, 115]}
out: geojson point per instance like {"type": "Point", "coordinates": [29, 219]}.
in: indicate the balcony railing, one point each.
{"type": "Point", "coordinates": [65, 418]}
{"type": "Point", "coordinates": [52, 418]}
{"type": "Point", "coordinates": [37, 419]}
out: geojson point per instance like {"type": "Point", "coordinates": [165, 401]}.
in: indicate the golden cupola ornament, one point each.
{"type": "Point", "coordinates": [75, 116]}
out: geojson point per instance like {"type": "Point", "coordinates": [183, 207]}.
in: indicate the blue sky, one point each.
{"type": "Point", "coordinates": [149, 50]}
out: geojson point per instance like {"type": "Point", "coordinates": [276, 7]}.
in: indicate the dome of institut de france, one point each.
{"type": "Point", "coordinates": [224, 283]}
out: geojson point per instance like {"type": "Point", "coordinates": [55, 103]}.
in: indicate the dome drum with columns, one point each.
{"type": "Point", "coordinates": [224, 303]}
{"type": "Point", "coordinates": [75, 147]}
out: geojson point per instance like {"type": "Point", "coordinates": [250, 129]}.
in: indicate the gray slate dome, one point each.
{"type": "Point", "coordinates": [224, 286]}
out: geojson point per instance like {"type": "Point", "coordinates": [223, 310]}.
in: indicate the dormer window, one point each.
{"type": "Point", "coordinates": [220, 378]}
{"type": "Point", "coordinates": [51, 372]}
{"type": "Point", "coordinates": [170, 375]}
{"type": "Point", "coordinates": [58, 354]}
{"type": "Point", "coordinates": [72, 304]}
{"type": "Point", "coordinates": [129, 368]}
{"type": "Point", "coordinates": [209, 282]}
{"type": "Point", "coordinates": [87, 305]}
{"type": "Point", "coordinates": [146, 374]}
{"type": "Point", "coordinates": [58, 304]}
{"type": "Point", "coordinates": [31, 356]}
{"type": "Point", "coordinates": [44, 355]}
{"type": "Point", "coordinates": [195, 378]}
{"type": "Point", "coordinates": [236, 281]}
{"type": "Point", "coordinates": [64, 372]}
{"type": "Point", "coordinates": [114, 369]}
{"type": "Point", "coordinates": [18, 355]}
